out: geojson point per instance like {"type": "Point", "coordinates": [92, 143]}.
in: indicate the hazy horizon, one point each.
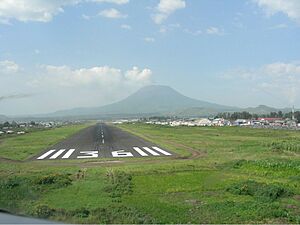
{"type": "Point", "coordinates": [63, 54]}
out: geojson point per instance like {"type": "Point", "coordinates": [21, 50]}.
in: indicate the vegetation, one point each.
{"type": "Point", "coordinates": [247, 115]}
{"type": "Point", "coordinates": [24, 146]}
{"type": "Point", "coordinates": [219, 175]}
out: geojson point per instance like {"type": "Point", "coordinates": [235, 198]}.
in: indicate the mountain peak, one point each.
{"type": "Point", "coordinates": [151, 99]}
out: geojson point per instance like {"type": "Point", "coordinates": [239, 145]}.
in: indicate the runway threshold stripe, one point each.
{"type": "Point", "coordinates": [46, 154]}
{"type": "Point", "coordinates": [58, 153]}
{"type": "Point", "coordinates": [68, 154]}
{"type": "Point", "coordinates": [161, 151]}
{"type": "Point", "coordinates": [150, 151]}
{"type": "Point", "coordinates": [140, 151]}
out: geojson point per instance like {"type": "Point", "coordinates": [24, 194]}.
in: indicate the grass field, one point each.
{"type": "Point", "coordinates": [23, 146]}
{"type": "Point", "coordinates": [221, 175]}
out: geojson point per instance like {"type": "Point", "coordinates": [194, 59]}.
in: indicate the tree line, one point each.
{"type": "Point", "coordinates": [247, 115]}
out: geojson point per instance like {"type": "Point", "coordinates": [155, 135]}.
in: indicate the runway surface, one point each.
{"type": "Point", "coordinates": [102, 141]}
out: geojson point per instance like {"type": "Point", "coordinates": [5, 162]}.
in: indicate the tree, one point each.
{"type": "Point", "coordinates": [6, 124]}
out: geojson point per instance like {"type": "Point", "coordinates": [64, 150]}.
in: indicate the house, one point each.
{"type": "Point", "coordinates": [203, 122]}
{"type": "Point", "coordinates": [220, 122]}
{"type": "Point", "coordinates": [268, 119]}
{"type": "Point", "coordinates": [1, 132]}
{"type": "Point", "coordinates": [10, 132]}
{"type": "Point", "coordinates": [20, 132]}
{"type": "Point", "coordinates": [242, 122]}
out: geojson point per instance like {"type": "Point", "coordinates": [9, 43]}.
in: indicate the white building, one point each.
{"type": "Point", "coordinates": [220, 122]}
{"type": "Point", "coordinates": [203, 122]}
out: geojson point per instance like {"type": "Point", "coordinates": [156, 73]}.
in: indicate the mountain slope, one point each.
{"type": "Point", "coordinates": [153, 99]}
{"type": "Point", "coordinates": [3, 118]}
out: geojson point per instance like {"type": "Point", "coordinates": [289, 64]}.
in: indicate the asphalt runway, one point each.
{"type": "Point", "coordinates": [102, 141]}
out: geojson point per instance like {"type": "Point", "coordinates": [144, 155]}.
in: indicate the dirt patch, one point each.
{"type": "Point", "coordinates": [195, 153]}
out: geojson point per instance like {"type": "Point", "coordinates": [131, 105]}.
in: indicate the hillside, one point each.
{"type": "Point", "coordinates": [154, 99]}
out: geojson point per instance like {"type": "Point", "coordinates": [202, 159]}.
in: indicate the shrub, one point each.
{"type": "Point", "coordinates": [12, 182]}
{"type": "Point", "coordinates": [262, 191]}
{"type": "Point", "coordinates": [57, 180]}
{"type": "Point", "coordinates": [81, 213]}
{"type": "Point", "coordinates": [44, 211]}
{"type": "Point", "coordinates": [284, 146]}
{"type": "Point", "coordinates": [120, 183]}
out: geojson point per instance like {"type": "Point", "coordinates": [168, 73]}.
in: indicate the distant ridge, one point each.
{"type": "Point", "coordinates": [148, 101]}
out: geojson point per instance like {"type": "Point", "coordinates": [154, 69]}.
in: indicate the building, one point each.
{"type": "Point", "coordinates": [203, 122]}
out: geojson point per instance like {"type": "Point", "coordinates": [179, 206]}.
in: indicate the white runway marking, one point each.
{"type": "Point", "coordinates": [102, 141]}
{"type": "Point", "coordinates": [121, 153]}
{"type": "Point", "coordinates": [46, 154]}
{"type": "Point", "coordinates": [161, 151]}
{"type": "Point", "coordinates": [88, 154]}
{"type": "Point", "coordinates": [58, 153]}
{"type": "Point", "coordinates": [150, 151]}
{"type": "Point", "coordinates": [140, 151]}
{"type": "Point", "coordinates": [68, 154]}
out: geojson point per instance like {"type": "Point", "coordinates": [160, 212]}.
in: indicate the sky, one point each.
{"type": "Point", "coordinates": [61, 54]}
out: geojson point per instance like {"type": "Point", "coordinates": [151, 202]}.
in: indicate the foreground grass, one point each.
{"type": "Point", "coordinates": [239, 176]}
{"type": "Point", "coordinates": [24, 146]}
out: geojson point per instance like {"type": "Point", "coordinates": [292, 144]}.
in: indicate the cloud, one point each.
{"type": "Point", "coordinates": [137, 75]}
{"type": "Point", "coordinates": [103, 76]}
{"type": "Point", "coordinates": [149, 39]}
{"type": "Point", "coordinates": [118, 2]}
{"type": "Point", "coordinates": [277, 78]}
{"type": "Point", "coordinates": [112, 14]}
{"type": "Point", "coordinates": [214, 31]}
{"type": "Point", "coordinates": [192, 32]}
{"type": "Point", "coordinates": [290, 8]}
{"type": "Point", "coordinates": [169, 27]}
{"type": "Point", "coordinates": [126, 26]}
{"type": "Point", "coordinates": [85, 17]}
{"type": "Point", "coordinates": [16, 96]}
{"type": "Point", "coordinates": [32, 10]}
{"type": "Point", "coordinates": [279, 26]}
{"type": "Point", "coordinates": [40, 10]}
{"type": "Point", "coordinates": [8, 67]}
{"type": "Point", "coordinates": [165, 8]}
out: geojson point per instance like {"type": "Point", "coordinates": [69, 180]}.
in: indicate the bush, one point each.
{"type": "Point", "coordinates": [12, 183]}
{"type": "Point", "coordinates": [262, 191]}
{"type": "Point", "coordinates": [44, 211]}
{"type": "Point", "coordinates": [120, 183]}
{"type": "Point", "coordinates": [81, 213]}
{"type": "Point", "coordinates": [120, 214]}
{"type": "Point", "coordinates": [57, 180]}
{"type": "Point", "coordinates": [284, 146]}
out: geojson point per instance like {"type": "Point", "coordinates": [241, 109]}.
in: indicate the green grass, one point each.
{"type": "Point", "coordinates": [220, 175]}
{"type": "Point", "coordinates": [24, 146]}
